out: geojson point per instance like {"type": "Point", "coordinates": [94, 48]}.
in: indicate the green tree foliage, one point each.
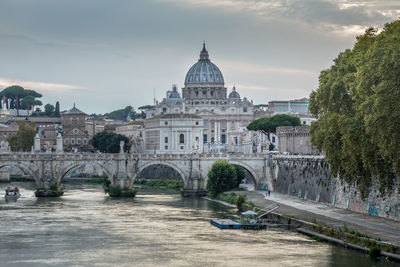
{"type": "Point", "coordinates": [240, 175]}
{"type": "Point", "coordinates": [49, 110]}
{"type": "Point", "coordinates": [21, 97]}
{"type": "Point", "coordinates": [268, 125]}
{"type": "Point", "coordinates": [28, 102]}
{"type": "Point", "coordinates": [146, 107]}
{"type": "Point", "coordinates": [221, 177]}
{"type": "Point", "coordinates": [23, 140]}
{"type": "Point", "coordinates": [107, 142]}
{"type": "Point", "coordinates": [121, 114]}
{"type": "Point", "coordinates": [240, 201]}
{"type": "Point", "coordinates": [358, 111]}
{"type": "Point", "coordinates": [57, 110]}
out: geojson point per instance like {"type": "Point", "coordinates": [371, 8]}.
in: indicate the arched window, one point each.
{"type": "Point", "coordinates": [181, 138]}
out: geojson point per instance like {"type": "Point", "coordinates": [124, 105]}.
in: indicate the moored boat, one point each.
{"type": "Point", "coordinates": [12, 193]}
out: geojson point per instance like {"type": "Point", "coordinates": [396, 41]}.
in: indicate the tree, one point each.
{"type": "Point", "coordinates": [221, 177]}
{"type": "Point", "coordinates": [28, 102]}
{"type": "Point", "coordinates": [17, 94]}
{"type": "Point", "coordinates": [268, 125]}
{"type": "Point", "coordinates": [24, 139]}
{"type": "Point", "coordinates": [107, 142]}
{"type": "Point", "coordinates": [49, 110]}
{"type": "Point", "coordinates": [240, 175]}
{"type": "Point", "coordinates": [357, 107]}
{"type": "Point", "coordinates": [57, 110]}
{"type": "Point", "coordinates": [121, 114]}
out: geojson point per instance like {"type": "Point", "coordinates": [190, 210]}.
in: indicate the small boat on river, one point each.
{"type": "Point", "coordinates": [12, 193]}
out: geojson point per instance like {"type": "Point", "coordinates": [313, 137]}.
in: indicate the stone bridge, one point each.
{"type": "Point", "coordinates": [49, 169]}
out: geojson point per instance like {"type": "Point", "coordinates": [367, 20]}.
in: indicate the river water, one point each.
{"type": "Point", "coordinates": [87, 228]}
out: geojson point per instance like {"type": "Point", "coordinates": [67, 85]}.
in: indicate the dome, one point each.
{"type": "Point", "coordinates": [174, 93]}
{"type": "Point", "coordinates": [204, 72]}
{"type": "Point", "coordinates": [234, 94]}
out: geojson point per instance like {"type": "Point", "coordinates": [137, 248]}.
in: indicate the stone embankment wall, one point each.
{"type": "Point", "coordinates": [311, 179]}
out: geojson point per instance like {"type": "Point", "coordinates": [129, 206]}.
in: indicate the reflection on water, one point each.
{"type": "Point", "coordinates": [86, 228]}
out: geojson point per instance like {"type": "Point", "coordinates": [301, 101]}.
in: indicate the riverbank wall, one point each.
{"type": "Point", "coordinates": [310, 178]}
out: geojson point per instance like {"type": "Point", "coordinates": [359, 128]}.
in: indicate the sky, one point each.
{"type": "Point", "coordinates": [105, 54]}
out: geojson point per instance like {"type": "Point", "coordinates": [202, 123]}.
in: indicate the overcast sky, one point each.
{"type": "Point", "coordinates": [106, 54]}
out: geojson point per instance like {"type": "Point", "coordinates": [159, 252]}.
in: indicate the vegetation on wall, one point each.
{"type": "Point", "coordinates": [358, 111]}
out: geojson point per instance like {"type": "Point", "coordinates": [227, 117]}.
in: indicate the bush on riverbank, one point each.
{"type": "Point", "coordinates": [95, 180]}
{"type": "Point", "coordinates": [171, 184]}
{"type": "Point", "coordinates": [354, 237]}
{"type": "Point", "coordinates": [232, 198]}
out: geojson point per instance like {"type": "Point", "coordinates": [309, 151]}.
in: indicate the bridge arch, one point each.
{"type": "Point", "coordinates": [169, 164]}
{"type": "Point", "coordinates": [25, 168]}
{"type": "Point", "coordinates": [72, 166]}
{"type": "Point", "coordinates": [253, 174]}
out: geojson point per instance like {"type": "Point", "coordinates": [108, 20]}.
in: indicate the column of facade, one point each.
{"type": "Point", "coordinates": [215, 131]}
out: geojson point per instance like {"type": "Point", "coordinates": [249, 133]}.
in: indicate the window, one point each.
{"type": "Point", "coordinates": [165, 122]}
{"type": "Point", "coordinates": [181, 138]}
{"type": "Point", "coordinates": [84, 141]}
{"type": "Point", "coordinates": [164, 110]}
{"type": "Point", "coordinates": [72, 141]}
{"type": "Point", "coordinates": [205, 124]}
{"type": "Point", "coordinates": [204, 92]}
{"type": "Point", "coordinates": [273, 139]}
{"type": "Point", "coordinates": [197, 123]}
{"type": "Point", "coordinates": [223, 138]}
{"type": "Point", "coordinates": [76, 131]}
{"type": "Point", "coordinates": [166, 140]}
{"type": "Point", "coordinates": [244, 109]}
{"type": "Point", "coordinates": [204, 138]}
{"type": "Point", "coordinates": [223, 124]}
{"type": "Point", "coordinates": [166, 147]}
{"type": "Point", "coordinates": [212, 140]}
{"type": "Point", "coordinates": [66, 141]}
{"type": "Point", "coordinates": [78, 141]}
{"type": "Point", "coordinates": [304, 122]}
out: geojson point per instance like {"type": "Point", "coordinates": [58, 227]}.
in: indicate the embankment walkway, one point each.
{"type": "Point", "coordinates": [373, 226]}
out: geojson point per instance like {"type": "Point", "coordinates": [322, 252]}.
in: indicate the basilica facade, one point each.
{"type": "Point", "coordinates": [223, 118]}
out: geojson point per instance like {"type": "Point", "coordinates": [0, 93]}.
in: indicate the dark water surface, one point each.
{"type": "Point", "coordinates": [86, 228]}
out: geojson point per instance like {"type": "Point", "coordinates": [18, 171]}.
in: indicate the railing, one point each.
{"type": "Point", "coordinates": [109, 156]}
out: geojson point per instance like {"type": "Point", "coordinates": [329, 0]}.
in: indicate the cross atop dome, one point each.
{"type": "Point", "coordinates": [204, 53]}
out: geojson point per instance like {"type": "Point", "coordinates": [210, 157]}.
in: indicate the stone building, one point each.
{"type": "Point", "coordinates": [174, 133]}
{"type": "Point", "coordinates": [134, 131]}
{"type": "Point", "coordinates": [295, 140]}
{"type": "Point", "coordinates": [75, 135]}
{"type": "Point", "coordinates": [224, 117]}
{"type": "Point", "coordinates": [94, 126]}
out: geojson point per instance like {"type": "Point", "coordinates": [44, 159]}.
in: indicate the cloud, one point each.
{"type": "Point", "coordinates": [42, 87]}
{"type": "Point", "coordinates": [258, 69]}
{"type": "Point", "coordinates": [339, 17]}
